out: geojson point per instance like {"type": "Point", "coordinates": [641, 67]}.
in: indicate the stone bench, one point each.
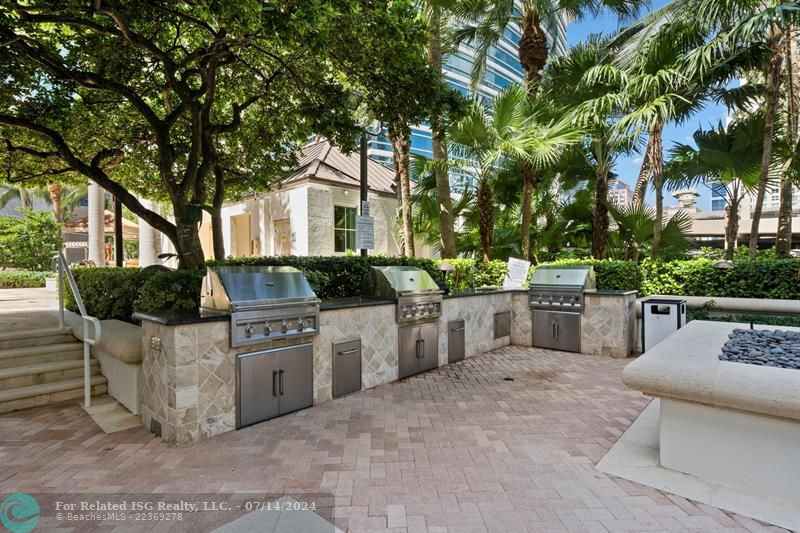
{"type": "Point", "coordinates": [733, 423]}
{"type": "Point", "coordinates": [120, 355]}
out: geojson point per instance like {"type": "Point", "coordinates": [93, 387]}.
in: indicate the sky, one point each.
{"type": "Point", "coordinates": [628, 167]}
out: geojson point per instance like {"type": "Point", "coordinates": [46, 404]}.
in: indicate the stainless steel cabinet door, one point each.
{"type": "Point", "coordinates": [257, 378]}
{"type": "Point", "coordinates": [296, 378]}
{"type": "Point", "coordinates": [502, 324]}
{"type": "Point", "coordinates": [408, 346]}
{"type": "Point", "coordinates": [557, 331]}
{"type": "Point", "coordinates": [346, 367]}
{"type": "Point", "coordinates": [456, 346]}
{"type": "Point", "coordinates": [429, 349]}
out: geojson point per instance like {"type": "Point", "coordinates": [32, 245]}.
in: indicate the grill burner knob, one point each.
{"type": "Point", "coordinates": [285, 326]}
{"type": "Point", "coordinates": [249, 330]}
{"type": "Point", "coordinates": [267, 328]}
{"type": "Point", "coordinates": [301, 325]}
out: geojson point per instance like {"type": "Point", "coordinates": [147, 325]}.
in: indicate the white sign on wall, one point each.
{"type": "Point", "coordinates": [365, 233]}
{"type": "Point", "coordinates": [517, 273]}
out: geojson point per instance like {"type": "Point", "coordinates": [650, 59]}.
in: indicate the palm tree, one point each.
{"type": "Point", "coordinates": [594, 104]}
{"type": "Point", "coordinates": [437, 13]}
{"type": "Point", "coordinates": [509, 131]}
{"type": "Point", "coordinates": [636, 225]}
{"type": "Point", "coordinates": [654, 90]}
{"type": "Point", "coordinates": [542, 24]}
{"type": "Point", "coordinates": [791, 174]}
{"type": "Point", "coordinates": [400, 136]}
{"type": "Point", "coordinates": [726, 158]}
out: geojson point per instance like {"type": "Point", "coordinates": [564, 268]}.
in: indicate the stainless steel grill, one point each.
{"type": "Point", "coordinates": [560, 287]}
{"type": "Point", "coordinates": [556, 298]}
{"type": "Point", "coordinates": [418, 297]}
{"type": "Point", "coordinates": [265, 303]}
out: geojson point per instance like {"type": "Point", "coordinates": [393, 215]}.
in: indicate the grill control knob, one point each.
{"type": "Point", "coordinates": [301, 325]}
{"type": "Point", "coordinates": [249, 330]}
{"type": "Point", "coordinates": [267, 328]}
{"type": "Point", "coordinates": [285, 326]}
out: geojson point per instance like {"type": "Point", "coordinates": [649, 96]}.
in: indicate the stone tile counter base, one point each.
{"type": "Point", "coordinates": [190, 369]}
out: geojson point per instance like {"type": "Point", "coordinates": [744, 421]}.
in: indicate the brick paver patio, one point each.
{"type": "Point", "coordinates": [458, 449]}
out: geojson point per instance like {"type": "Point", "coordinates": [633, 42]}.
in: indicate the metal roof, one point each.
{"type": "Point", "coordinates": [322, 161]}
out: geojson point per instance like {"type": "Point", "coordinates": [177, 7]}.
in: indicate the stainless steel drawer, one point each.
{"type": "Point", "coordinates": [456, 345]}
{"type": "Point", "coordinates": [502, 324]}
{"type": "Point", "coordinates": [346, 367]}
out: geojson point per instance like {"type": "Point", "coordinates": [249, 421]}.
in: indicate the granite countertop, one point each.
{"type": "Point", "coordinates": [179, 318]}
{"type": "Point", "coordinates": [480, 292]}
{"type": "Point", "coordinates": [611, 292]}
{"type": "Point", "coordinates": [352, 301]}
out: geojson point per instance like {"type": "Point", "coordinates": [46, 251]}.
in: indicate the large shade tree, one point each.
{"type": "Point", "coordinates": [158, 98]}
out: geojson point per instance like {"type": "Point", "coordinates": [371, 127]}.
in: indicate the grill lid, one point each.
{"type": "Point", "coordinates": [235, 288]}
{"type": "Point", "coordinates": [395, 281]}
{"type": "Point", "coordinates": [564, 276]}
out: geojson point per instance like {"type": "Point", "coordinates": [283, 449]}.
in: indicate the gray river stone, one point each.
{"type": "Point", "coordinates": [763, 347]}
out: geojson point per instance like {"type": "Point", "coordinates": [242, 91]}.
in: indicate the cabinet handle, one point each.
{"type": "Point", "coordinates": [422, 356]}
{"type": "Point", "coordinates": [416, 348]}
{"type": "Point", "coordinates": [554, 330]}
{"type": "Point", "coordinates": [280, 381]}
{"type": "Point", "coordinates": [558, 330]}
{"type": "Point", "coordinates": [275, 383]}
{"type": "Point", "coordinates": [456, 330]}
{"type": "Point", "coordinates": [348, 352]}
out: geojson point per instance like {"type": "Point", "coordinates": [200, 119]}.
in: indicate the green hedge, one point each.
{"type": "Point", "coordinates": [774, 278]}
{"type": "Point", "coordinates": [335, 277]}
{"type": "Point", "coordinates": [22, 279]}
{"type": "Point", "coordinates": [118, 292]}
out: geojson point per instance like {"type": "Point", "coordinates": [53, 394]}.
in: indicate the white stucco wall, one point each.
{"type": "Point", "coordinates": [310, 211]}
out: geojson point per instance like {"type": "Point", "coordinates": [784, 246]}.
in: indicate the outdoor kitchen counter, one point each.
{"type": "Point", "coordinates": [331, 304]}
{"type": "Point", "coordinates": [179, 318]}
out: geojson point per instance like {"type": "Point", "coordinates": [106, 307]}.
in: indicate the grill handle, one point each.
{"type": "Point", "coordinates": [275, 383]}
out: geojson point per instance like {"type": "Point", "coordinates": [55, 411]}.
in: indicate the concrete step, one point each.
{"type": "Point", "coordinates": [24, 339]}
{"type": "Point", "coordinates": [35, 374]}
{"type": "Point", "coordinates": [48, 393]}
{"type": "Point", "coordinates": [45, 353]}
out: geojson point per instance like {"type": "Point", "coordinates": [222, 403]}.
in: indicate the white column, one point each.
{"type": "Point", "coordinates": [148, 251]}
{"type": "Point", "coordinates": [97, 226]}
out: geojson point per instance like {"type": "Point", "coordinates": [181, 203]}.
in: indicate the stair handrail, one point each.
{"type": "Point", "coordinates": [64, 271]}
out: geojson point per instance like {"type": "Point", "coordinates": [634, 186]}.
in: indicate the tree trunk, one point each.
{"type": "Point", "coordinates": [217, 239]}
{"type": "Point", "coordinates": [771, 88]}
{"type": "Point", "coordinates": [485, 217]}
{"type": "Point", "coordinates": [640, 190]}
{"type": "Point", "coordinates": [783, 240]}
{"type": "Point", "coordinates": [657, 165]}
{"type": "Point", "coordinates": [731, 229]}
{"type": "Point", "coordinates": [533, 52]}
{"type": "Point", "coordinates": [401, 147]}
{"type": "Point", "coordinates": [187, 243]}
{"type": "Point", "coordinates": [600, 216]}
{"type": "Point", "coordinates": [54, 189]}
{"type": "Point", "coordinates": [443, 193]}
{"type": "Point", "coordinates": [533, 49]}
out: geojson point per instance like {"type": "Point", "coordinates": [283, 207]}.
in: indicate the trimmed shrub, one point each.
{"type": "Point", "coordinates": [177, 290]}
{"type": "Point", "coordinates": [22, 279]}
{"type": "Point", "coordinates": [106, 292]}
{"type": "Point", "coordinates": [774, 278]}
{"type": "Point", "coordinates": [335, 276]}
{"type": "Point", "coordinates": [610, 275]}
{"type": "Point", "coordinates": [29, 241]}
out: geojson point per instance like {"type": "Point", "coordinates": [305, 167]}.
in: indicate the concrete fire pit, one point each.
{"type": "Point", "coordinates": [729, 423]}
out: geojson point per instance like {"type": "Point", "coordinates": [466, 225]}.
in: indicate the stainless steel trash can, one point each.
{"type": "Point", "coordinates": [661, 317]}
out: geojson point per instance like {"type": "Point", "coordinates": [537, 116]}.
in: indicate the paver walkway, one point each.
{"type": "Point", "coordinates": [458, 449]}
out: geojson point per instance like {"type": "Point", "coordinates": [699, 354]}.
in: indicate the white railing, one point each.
{"type": "Point", "coordinates": [64, 271]}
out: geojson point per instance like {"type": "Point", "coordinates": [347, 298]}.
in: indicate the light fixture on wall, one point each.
{"type": "Point", "coordinates": [346, 192]}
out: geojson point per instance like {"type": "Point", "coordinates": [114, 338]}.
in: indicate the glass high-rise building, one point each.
{"type": "Point", "coordinates": [502, 69]}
